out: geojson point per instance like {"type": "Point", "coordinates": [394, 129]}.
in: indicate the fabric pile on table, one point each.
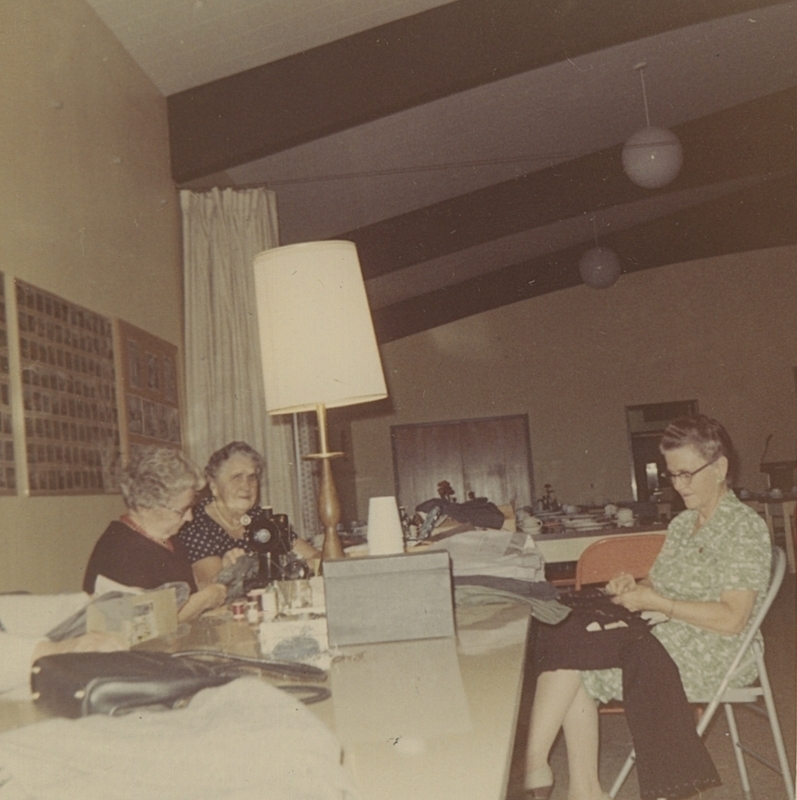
{"type": "Point", "coordinates": [493, 566]}
{"type": "Point", "coordinates": [235, 742]}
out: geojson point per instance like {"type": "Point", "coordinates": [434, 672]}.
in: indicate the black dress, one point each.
{"type": "Point", "coordinates": [127, 557]}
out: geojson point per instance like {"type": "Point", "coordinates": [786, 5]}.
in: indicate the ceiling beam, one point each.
{"type": "Point", "coordinates": [400, 65]}
{"type": "Point", "coordinates": [758, 137]}
{"type": "Point", "coordinates": [751, 219]}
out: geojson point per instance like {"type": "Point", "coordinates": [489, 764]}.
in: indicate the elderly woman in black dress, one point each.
{"type": "Point", "coordinates": [141, 548]}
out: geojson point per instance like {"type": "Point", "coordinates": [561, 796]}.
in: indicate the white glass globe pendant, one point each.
{"type": "Point", "coordinates": [600, 266]}
{"type": "Point", "coordinates": [652, 157]}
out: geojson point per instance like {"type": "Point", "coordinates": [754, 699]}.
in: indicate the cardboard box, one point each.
{"type": "Point", "coordinates": [137, 617]}
{"type": "Point", "coordinates": [389, 598]}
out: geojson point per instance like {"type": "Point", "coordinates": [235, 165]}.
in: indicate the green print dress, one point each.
{"type": "Point", "coordinates": [731, 551]}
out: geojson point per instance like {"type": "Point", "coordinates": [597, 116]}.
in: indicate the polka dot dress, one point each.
{"type": "Point", "coordinates": [204, 537]}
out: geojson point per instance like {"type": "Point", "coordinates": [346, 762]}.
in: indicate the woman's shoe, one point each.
{"type": "Point", "coordinates": [542, 775]}
{"type": "Point", "coordinates": [538, 793]}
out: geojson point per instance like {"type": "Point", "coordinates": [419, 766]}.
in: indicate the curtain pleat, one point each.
{"type": "Point", "coordinates": [223, 230]}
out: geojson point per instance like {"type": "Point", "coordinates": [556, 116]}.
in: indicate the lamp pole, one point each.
{"type": "Point", "coordinates": [328, 502]}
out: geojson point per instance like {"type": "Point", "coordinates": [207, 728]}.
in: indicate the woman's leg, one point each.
{"type": "Point", "coordinates": [581, 736]}
{"type": "Point", "coordinates": [552, 699]}
{"type": "Point", "coordinates": [560, 700]}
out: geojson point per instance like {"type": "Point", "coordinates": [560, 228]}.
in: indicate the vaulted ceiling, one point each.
{"type": "Point", "coordinates": [471, 149]}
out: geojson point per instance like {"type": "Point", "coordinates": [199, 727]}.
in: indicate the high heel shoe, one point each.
{"type": "Point", "coordinates": [538, 793]}
{"type": "Point", "coordinates": [543, 775]}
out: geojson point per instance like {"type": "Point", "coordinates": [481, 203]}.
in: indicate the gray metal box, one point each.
{"type": "Point", "coordinates": [389, 598]}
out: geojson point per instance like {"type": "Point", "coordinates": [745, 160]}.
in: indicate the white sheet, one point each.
{"type": "Point", "coordinates": [241, 741]}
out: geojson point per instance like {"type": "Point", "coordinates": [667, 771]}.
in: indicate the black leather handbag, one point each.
{"type": "Point", "coordinates": [78, 684]}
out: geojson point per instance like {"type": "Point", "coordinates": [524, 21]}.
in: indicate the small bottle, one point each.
{"type": "Point", "coordinates": [268, 604]}
{"type": "Point", "coordinates": [252, 612]}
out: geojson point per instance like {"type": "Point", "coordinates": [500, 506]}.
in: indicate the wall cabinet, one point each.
{"type": "Point", "coordinates": [490, 457]}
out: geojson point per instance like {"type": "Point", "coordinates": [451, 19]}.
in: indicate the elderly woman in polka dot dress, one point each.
{"type": "Point", "coordinates": [215, 537]}
{"type": "Point", "coordinates": [706, 583]}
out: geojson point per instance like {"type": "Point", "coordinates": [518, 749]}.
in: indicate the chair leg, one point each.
{"type": "Point", "coordinates": [780, 748]}
{"type": "Point", "coordinates": [624, 773]}
{"type": "Point", "coordinates": [738, 752]}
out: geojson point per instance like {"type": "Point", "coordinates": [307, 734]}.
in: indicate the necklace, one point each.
{"type": "Point", "coordinates": [131, 523]}
{"type": "Point", "coordinates": [230, 526]}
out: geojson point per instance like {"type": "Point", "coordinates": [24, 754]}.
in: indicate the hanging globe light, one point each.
{"type": "Point", "coordinates": [599, 267]}
{"type": "Point", "coordinates": [652, 157]}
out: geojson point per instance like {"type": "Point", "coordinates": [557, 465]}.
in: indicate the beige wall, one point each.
{"type": "Point", "coordinates": [722, 331]}
{"type": "Point", "coordinates": [88, 211]}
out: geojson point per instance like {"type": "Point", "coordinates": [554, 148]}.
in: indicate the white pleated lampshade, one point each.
{"type": "Point", "coordinates": [317, 339]}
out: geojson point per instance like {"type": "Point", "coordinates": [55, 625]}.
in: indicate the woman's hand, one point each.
{"type": "Point", "coordinates": [231, 556]}
{"type": "Point", "coordinates": [727, 617]}
{"type": "Point", "coordinates": [622, 583]}
{"type": "Point", "coordinates": [641, 598]}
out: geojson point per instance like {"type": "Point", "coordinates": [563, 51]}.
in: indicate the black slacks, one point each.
{"type": "Point", "coordinates": [672, 760]}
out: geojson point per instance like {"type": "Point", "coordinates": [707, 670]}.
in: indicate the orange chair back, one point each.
{"type": "Point", "coordinates": [608, 557]}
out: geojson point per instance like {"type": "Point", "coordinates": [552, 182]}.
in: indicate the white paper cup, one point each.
{"type": "Point", "coordinates": [385, 536]}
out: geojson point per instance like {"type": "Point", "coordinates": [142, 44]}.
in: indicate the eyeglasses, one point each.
{"type": "Point", "coordinates": [179, 512]}
{"type": "Point", "coordinates": [686, 477]}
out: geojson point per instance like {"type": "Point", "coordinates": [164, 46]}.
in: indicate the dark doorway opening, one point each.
{"type": "Point", "coordinates": [646, 423]}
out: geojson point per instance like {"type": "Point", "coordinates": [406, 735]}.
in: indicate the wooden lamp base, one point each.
{"type": "Point", "coordinates": [328, 502]}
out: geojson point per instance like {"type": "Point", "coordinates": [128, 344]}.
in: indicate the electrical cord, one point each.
{"type": "Point", "coordinates": [284, 669]}
{"type": "Point", "coordinates": [310, 694]}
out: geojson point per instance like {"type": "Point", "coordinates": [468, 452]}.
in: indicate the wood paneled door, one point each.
{"type": "Point", "coordinates": [490, 457]}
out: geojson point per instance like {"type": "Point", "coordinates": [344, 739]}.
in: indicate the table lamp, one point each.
{"type": "Point", "coordinates": [318, 346]}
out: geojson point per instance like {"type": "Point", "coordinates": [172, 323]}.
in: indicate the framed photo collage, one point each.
{"type": "Point", "coordinates": [91, 389]}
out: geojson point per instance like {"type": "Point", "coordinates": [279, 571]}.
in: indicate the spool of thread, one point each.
{"type": "Point", "coordinates": [385, 535]}
{"type": "Point", "coordinates": [238, 609]}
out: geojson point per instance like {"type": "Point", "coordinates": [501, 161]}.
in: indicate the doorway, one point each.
{"type": "Point", "coordinates": [646, 423]}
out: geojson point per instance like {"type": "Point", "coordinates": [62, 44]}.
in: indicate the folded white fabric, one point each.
{"type": "Point", "coordinates": [492, 552]}
{"type": "Point", "coordinates": [236, 742]}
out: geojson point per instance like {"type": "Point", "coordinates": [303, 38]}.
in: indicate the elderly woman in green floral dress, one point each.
{"type": "Point", "coordinates": [708, 580]}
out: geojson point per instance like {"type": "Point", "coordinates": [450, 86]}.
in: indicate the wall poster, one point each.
{"type": "Point", "coordinates": [149, 408]}
{"type": "Point", "coordinates": [69, 395]}
{"type": "Point", "coordinates": [8, 471]}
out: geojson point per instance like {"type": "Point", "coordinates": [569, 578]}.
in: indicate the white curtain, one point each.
{"type": "Point", "coordinates": [223, 230]}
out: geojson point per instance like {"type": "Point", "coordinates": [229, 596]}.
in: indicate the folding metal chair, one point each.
{"type": "Point", "coordinates": [608, 557]}
{"type": "Point", "coordinates": [747, 695]}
